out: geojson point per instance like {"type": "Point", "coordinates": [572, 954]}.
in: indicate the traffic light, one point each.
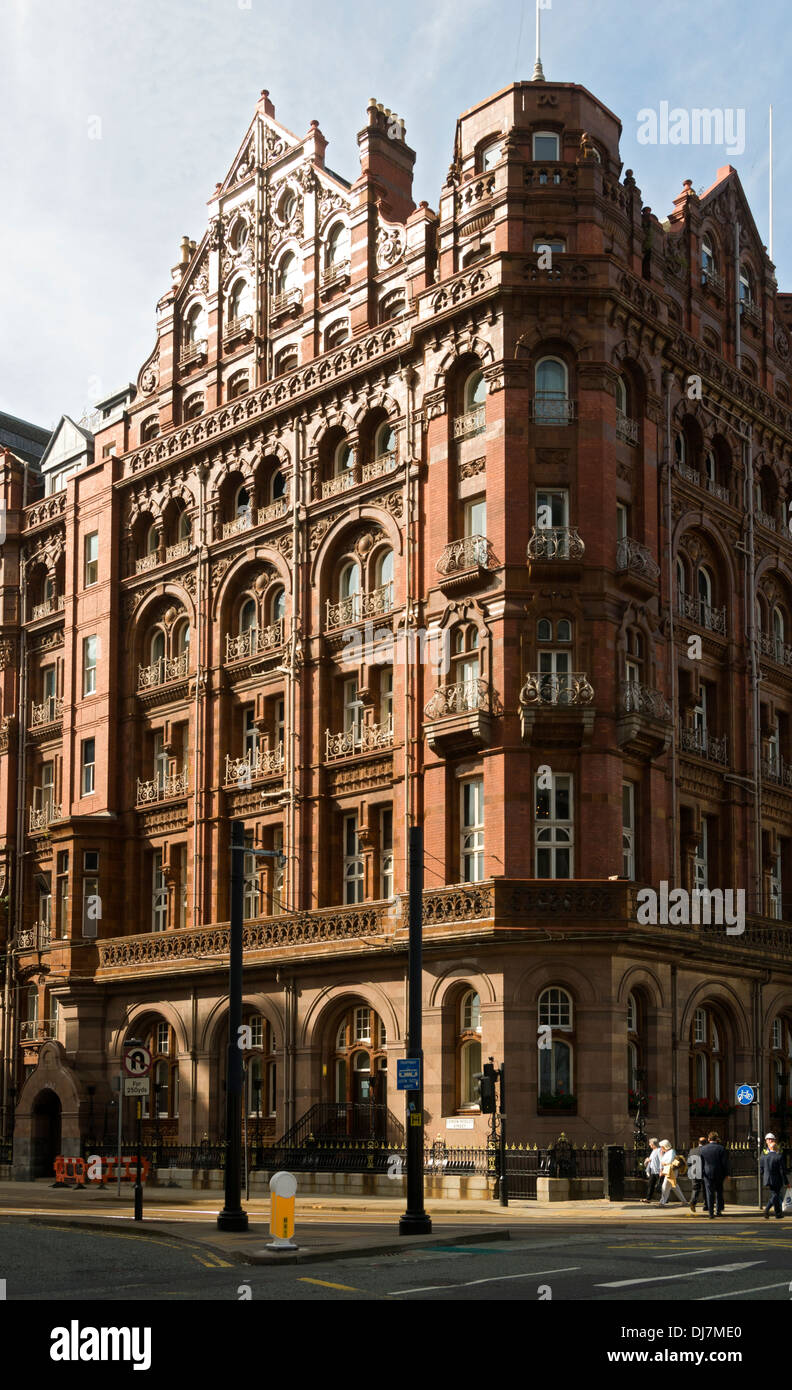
{"type": "Point", "coordinates": [486, 1080]}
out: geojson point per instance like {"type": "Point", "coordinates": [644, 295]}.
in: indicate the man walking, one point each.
{"type": "Point", "coordinates": [774, 1176]}
{"type": "Point", "coordinates": [669, 1167]}
{"type": "Point", "coordinates": [695, 1172]}
{"type": "Point", "coordinates": [715, 1167]}
{"type": "Point", "coordinates": [652, 1166]}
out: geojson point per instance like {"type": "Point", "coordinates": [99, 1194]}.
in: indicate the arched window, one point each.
{"type": "Point", "coordinates": [239, 300]}
{"type": "Point", "coordinates": [149, 429]}
{"type": "Point", "coordinates": [349, 581]}
{"type": "Point", "coordinates": [681, 579]}
{"type": "Point", "coordinates": [278, 605]}
{"type": "Point", "coordinates": [242, 502]}
{"type": "Point", "coordinates": [182, 640]}
{"type": "Point", "coordinates": [157, 646]}
{"type": "Point", "coordinates": [288, 205]}
{"type": "Point", "coordinates": [248, 617]}
{"type": "Point", "coordinates": [193, 407]}
{"type": "Point", "coordinates": [546, 146]}
{"type": "Point", "coordinates": [635, 1051]}
{"type": "Point", "coordinates": [278, 486]}
{"type": "Point", "coordinates": [184, 529]}
{"type": "Point", "coordinates": [555, 1062]}
{"type": "Point", "coordinates": [551, 397]}
{"type": "Point", "coordinates": [336, 334]}
{"type": "Point", "coordinates": [287, 360]}
{"type": "Point", "coordinates": [193, 328]}
{"type": "Point", "coordinates": [384, 442]}
{"type": "Point", "coordinates": [704, 582]}
{"type": "Point", "coordinates": [343, 459]}
{"type": "Point", "coordinates": [392, 305]}
{"type": "Point", "coordinates": [707, 1079]}
{"type": "Point", "coordinates": [237, 385]}
{"type": "Point", "coordinates": [746, 285]}
{"type": "Point", "coordinates": [680, 448]}
{"type": "Point", "coordinates": [360, 1066]}
{"type": "Point", "coordinates": [544, 630]}
{"type": "Point", "coordinates": [337, 246]}
{"type": "Point", "coordinates": [261, 1069]}
{"type": "Point", "coordinates": [465, 666]}
{"type": "Point", "coordinates": [707, 255]}
{"type": "Point", "coordinates": [778, 632]}
{"type": "Point", "coordinates": [162, 1104]}
{"type": "Point", "coordinates": [287, 275]}
{"type": "Point", "coordinates": [384, 573]}
{"type": "Point", "coordinates": [621, 396]}
{"type": "Point", "coordinates": [152, 540]}
{"type": "Point", "coordinates": [781, 1070]}
{"type": "Point", "coordinates": [240, 235]}
{"type": "Point", "coordinates": [475, 391]}
{"type": "Point", "coordinates": [469, 1049]}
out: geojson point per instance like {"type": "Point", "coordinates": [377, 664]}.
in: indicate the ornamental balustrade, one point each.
{"type": "Point", "coordinates": [552, 408]}
{"type": "Point", "coordinates": [265, 762]}
{"type": "Point", "coordinates": [700, 613]}
{"type": "Point", "coordinates": [766, 520]}
{"type": "Point", "coordinates": [163, 671]}
{"type": "Point", "coordinates": [704, 744]}
{"type": "Point", "coordinates": [240, 523]}
{"type": "Point", "coordinates": [714, 280]}
{"type": "Point", "coordinates": [378, 601]}
{"type": "Point", "coordinates": [691, 475]}
{"type": "Point", "coordinates": [48, 712]}
{"type": "Point", "coordinates": [346, 611]}
{"type": "Point", "coordinates": [50, 605]}
{"type": "Point", "coordinates": [162, 788]}
{"type": "Point", "coordinates": [471, 552]}
{"type": "Point", "coordinates": [626, 429]}
{"type": "Point", "coordinates": [636, 559]}
{"type": "Point", "coordinates": [556, 543]}
{"type": "Point", "coordinates": [182, 547]}
{"type": "Point", "coordinates": [40, 817]}
{"type": "Point", "coordinates": [718, 490]}
{"type": "Point", "coordinates": [273, 511]}
{"type": "Point", "coordinates": [464, 697]}
{"type": "Point", "coordinates": [338, 270]}
{"type": "Point", "coordinates": [37, 1029]}
{"type": "Point", "coordinates": [778, 770]}
{"type": "Point", "coordinates": [750, 312]}
{"type": "Point", "coordinates": [775, 648]}
{"type": "Point", "coordinates": [193, 352]}
{"type": "Point", "coordinates": [557, 688]}
{"type": "Point", "coordinates": [471, 423]}
{"type": "Point", "coordinates": [341, 483]}
{"type": "Point", "coordinates": [288, 299]}
{"type": "Point", "coordinates": [235, 327]}
{"type": "Point", "coordinates": [635, 698]}
{"type": "Point", "coordinates": [382, 464]}
{"type": "Point", "coordinates": [254, 641]}
{"type": "Point", "coordinates": [361, 738]}
{"type": "Point", "coordinates": [147, 562]}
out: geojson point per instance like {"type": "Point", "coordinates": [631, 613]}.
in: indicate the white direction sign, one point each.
{"type": "Point", "coordinates": [137, 1061]}
{"type": "Point", "coordinates": [136, 1085]}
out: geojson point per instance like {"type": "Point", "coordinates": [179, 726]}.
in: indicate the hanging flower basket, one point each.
{"type": "Point", "coordinates": [703, 1106]}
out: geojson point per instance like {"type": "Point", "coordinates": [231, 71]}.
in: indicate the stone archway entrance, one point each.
{"type": "Point", "coordinates": [45, 1134]}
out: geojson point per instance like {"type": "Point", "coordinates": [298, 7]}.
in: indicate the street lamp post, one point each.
{"type": "Point", "coordinates": [232, 1217]}
{"type": "Point", "coordinates": [415, 1221]}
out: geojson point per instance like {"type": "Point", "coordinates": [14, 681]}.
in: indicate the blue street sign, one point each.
{"type": "Point", "coordinates": [745, 1095]}
{"type": "Point", "coordinates": [408, 1075]}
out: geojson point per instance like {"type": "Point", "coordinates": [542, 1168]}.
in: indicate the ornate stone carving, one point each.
{"type": "Point", "coordinates": [395, 503]}
{"type": "Point", "coordinates": [391, 241]}
{"type": "Point", "coordinates": [6, 652]}
{"type": "Point", "coordinates": [319, 530]}
{"type": "Point", "coordinates": [219, 568]}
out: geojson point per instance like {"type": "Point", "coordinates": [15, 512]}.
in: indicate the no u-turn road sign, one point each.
{"type": "Point", "coordinates": [137, 1061]}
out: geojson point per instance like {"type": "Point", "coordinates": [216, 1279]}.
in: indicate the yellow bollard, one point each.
{"type": "Point", "coordinates": [283, 1189]}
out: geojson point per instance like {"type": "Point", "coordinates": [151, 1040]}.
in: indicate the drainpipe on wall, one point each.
{"type": "Point", "coordinates": [193, 1060]}
{"type": "Point", "coordinates": [668, 381]}
{"type": "Point", "coordinates": [737, 323]}
{"type": "Point", "coordinates": [198, 751]}
{"type": "Point", "coordinates": [409, 376]}
{"type": "Point", "coordinates": [10, 997]}
{"type": "Point", "coordinates": [297, 578]}
{"type": "Point", "coordinates": [753, 660]}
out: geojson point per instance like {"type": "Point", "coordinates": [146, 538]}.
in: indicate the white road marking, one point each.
{"type": "Point", "coordinates": [493, 1279]}
{"type": "Point", "coordinates": [676, 1254]}
{"type": "Point", "coordinates": [740, 1293]}
{"type": "Point", "coordinates": [660, 1278]}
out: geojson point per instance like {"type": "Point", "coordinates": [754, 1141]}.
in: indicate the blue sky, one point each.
{"type": "Point", "coordinates": [91, 227]}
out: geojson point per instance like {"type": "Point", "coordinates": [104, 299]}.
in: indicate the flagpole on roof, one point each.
{"type": "Point", "coordinates": [538, 73]}
{"type": "Point", "coordinates": [770, 242]}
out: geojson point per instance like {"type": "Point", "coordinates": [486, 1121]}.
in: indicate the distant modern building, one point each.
{"type": "Point", "coordinates": [476, 518]}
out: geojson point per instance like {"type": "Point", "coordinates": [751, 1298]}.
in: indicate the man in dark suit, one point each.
{"type": "Point", "coordinates": [714, 1167]}
{"type": "Point", "coordinates": [774, 1176]}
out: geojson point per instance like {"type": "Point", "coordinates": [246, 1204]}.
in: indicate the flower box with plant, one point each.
{"type": "Point", "coordinates": [702, 1105]}
{"type": "Point", "coordinates": [556, 1100]}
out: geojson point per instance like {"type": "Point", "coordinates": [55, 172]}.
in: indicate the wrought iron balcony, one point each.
{"type": "Point", "coordinates": [162, 788]}
{"type": "Point", "coordinates": [273, 512]}
{"type": "Point", "coordinates": [255, 641]}
{"type": "Point", "coordinates": [552, 408]}
{"type": "Point", "coordinates": [343, 613]}
{"type": "Point", "coordinates": [775, 648]}
{"type": "Point", "coordinates": [182, 547]}
{"type": "Point", "coordinates": [40, 817]}
{"type": "Point", "coordinates": [240, 523]}
{"type": "Point", "coordinates": [637, 560]}
{"type": "Point", "coordinates": [56, 604]}
{"type": "Point", "coordinates": [377, 602]}
{"type": "Point", "coordinates": [635, 698]}
{"type": "Point", "coordinates": [626, 429]}
{"type": "Point", "coordinates": [192, 353]}
{"type": "Point", "coordinates": [459, 717]}
{"type": "Point", "coordinates": [556, 688]}
{"type": "Point", "coordinates": [380, 466]}
{"type": "Point", "coordinates": [461, 698]}
{"type": "Point", "coordinates": [712, 279]}
{"type": "Point", "coordinates": [163, 671]}
{"type": "Point", "coordinates": [50, 711]}
{"type": "Point", "coordinates": [776, 769]}
{"type": "Point", "coordinates": [342, 482]}
{"type": "Point", "coordinates": [691, 475]}
{"type": "Point", "coordinates": [361, 738]}
{"type": "Point", "coordinates": [700, 613]}
{"type": "Point", "coordinates": [469, 553]}
{"type": "Point", "coordinates": [37, 1029]}
{"type": "Point", "coordinates": [471, 423]}
{"type": "Point", "coordinates": [147, 562]}
{"type": "Point", "coordinates": [288, 299]}
{"type": "Point", "coordinates": [718, 490]}
{"type": "Point", "coordinates": [335, 273]}
{"type": "Point", "coordinates": [751, 312]}
{"type": "Point", "coordinates": [238, 327]}
{"type": "Point", "coordinates": [703, 744]}
{"type": "Point", "coordinates": [765, 519]}
{"type": "Point", "coordinates": [254, 767]}
{"type": "Point", "coordinates": [556, 543]}
{"type": "Point", "coordinates": [38, 937]}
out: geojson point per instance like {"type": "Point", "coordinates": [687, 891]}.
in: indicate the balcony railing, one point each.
{"type": "Point", "coordinates": [703, 744]}
{"type": "Point", "coordinates": [50, 605]}
{"type": "Point", "coordinates": [37, 1029]}
{"type": "Point", "coordinates": [469, 553]}
{"type": "Point", "coordinates": [48, 712]}
{"type": "Point", "coordinates": [636, 559]}
{"type": "Point", "coordinates": [776, 769]}
{"type": "Point", "coordinates": [265, 762]}
{"type": "Point", "coordinates": [552, 408]}
{"type": "Point", "coordinates": [775, 648]}
{"type": "Point", "coordinates": [362, 738]}
{"type": "Point", "coordinates": [163, 671]}
{"type": "Point", "coordinates": [273, 512]}
{"type": "Point", "coordinates": [42, 816]}
{"type": "Point", "coordinates": [766, 520]}
{"type": "Point", "coordinates": [182, 547]}
{"type": "Point", "coordinates": [471, 423]}
{"type": "Point", "coordinates": [37, 937]}
{"type": "Point", "coordinates": [700, 613]}
{"type": "Point", "coordinates": [718, 490]}
{"type": "Point", "coordinates": [254, 641]}
{"type": "Point", "coordinates": [332, 274]}
{"type": "Point", "coordinates": [626, 429]}
{"type": "Point", "coordinates": [343, 613]}
{"type": "Point", "coordinates": [238, 327]}
{"type": "Point", "coordinates": [463, 698]}
{"type": "Point", "coordinates": [193, 352]}
{"type": "Point", "coordinates": [147, 562]}
{"type": "Point", "coordinates": [243, 522]}
{"type": "Point", "coordinates": [556, 543]}
{"type": "Point", "coordinates": [378, 601]}
{"type": "Point", "coordinates": [751, 312]}
{"type": "Point", "coordinates": [342, 482]}
{"type": "Point", "coordinates": [289, 299]}
{"type": "Point", "coordinates": [380, 466]}
{"type": "Point", "coordinates": [557, 688]}
{"type": "Point", "coordinates": [162, 788]}
{"type": "Point", "coordinates": [635, 698]}
{"type": "Point", "coordinates": [714, 280]}
{"type": "Point", "coordinates": [691, 475]}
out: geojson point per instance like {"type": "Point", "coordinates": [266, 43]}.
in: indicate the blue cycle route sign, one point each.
{"type": "Point", "coordinates": [745, 1095]}
{"type": "Point", "coordinates": [408, 1074]}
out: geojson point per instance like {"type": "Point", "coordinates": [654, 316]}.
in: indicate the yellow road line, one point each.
{"type": "Point", "coordinates": [327, 1285]}
{"type": "Point", "coordinates": [214, 1262]}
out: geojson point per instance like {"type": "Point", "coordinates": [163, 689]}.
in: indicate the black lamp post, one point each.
{"type": "Point", "coordinates": [639, 1123]}
{"type": "Point", "coordinates": [233, 1217]}
{"type": "Point", "coordinates": [415, 1221]}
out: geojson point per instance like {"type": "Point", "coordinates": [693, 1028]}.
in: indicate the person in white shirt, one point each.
{"type": "Point", "coordinates": [669, 1173]}
{"type": "Point", "coordinates": [652, 1166]}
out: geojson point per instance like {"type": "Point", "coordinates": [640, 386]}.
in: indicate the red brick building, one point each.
{"type": "Point", "coordinates": [474, 518]}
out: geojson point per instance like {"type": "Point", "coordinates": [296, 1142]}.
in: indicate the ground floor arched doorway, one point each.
{"type": "Point", "coordinates": [45, 1134]}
